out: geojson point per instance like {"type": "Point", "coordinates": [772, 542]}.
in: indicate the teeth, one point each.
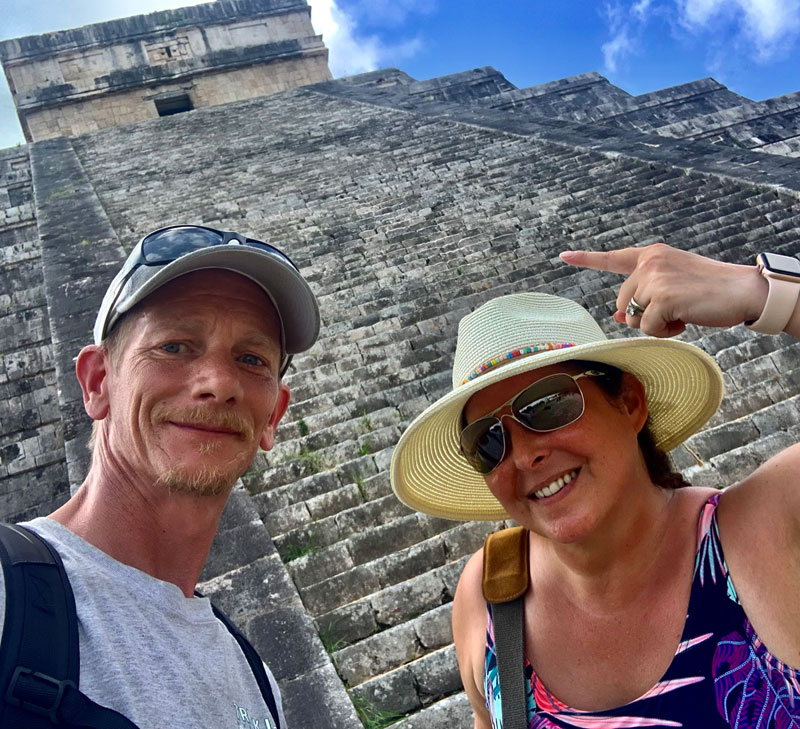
{"type": "Point", "coordinates": [555, 486]}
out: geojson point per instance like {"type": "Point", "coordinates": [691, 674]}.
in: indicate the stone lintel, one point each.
{"type": "Point", "coordinates": [144, 75]}
{"type": "Point", "coordinates": [126, 29]}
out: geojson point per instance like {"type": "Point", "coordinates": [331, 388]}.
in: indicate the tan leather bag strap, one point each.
{"type": "Point", "coordinates": [505, 582]}
{"type": "Point", "coordinates": [505, 565]}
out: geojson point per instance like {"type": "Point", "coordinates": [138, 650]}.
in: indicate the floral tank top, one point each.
{"type": "Point", "coordinates": [721, 675]}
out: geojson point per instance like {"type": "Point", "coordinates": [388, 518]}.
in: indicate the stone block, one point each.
{"type": "Point", "coordinates": [399, 603]}
{"type": "Point", "coordinates": [321, 565]}
{"type": "Point", "coordinates": [436, 674]}
{"type": "Point", "coordinates": [251, 589]}
{"type": "Point", "coordinates": [778, 417]}
{"type": "Point", "coordinates": [453, 712]}
{"type": "Point", "coordinates": [340, 589]}
{"type": "Point", "coordinates": [392, 693]}
{"type": "Point", "coordinates": [347, 624]}
{"type": "Point", "coordinates": [334, 501]}
{"type": "Point", "coordinates": [377, 654]}
{"type": "Point", "coordinates": [434, 628]}
{"type": "Point", "coordinates": [271, 633]}
{"type": "Point", "coordinates": [385, 539]}
{"type": "Point", "coordinates": [236, 547]}
{"type": "Point", "coordinates": [409, 563]}
{"type": "Point", "coordinates": [318, 700]}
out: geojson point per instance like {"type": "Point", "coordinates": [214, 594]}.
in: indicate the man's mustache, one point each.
{"type": "Point", "coordinates": [204, 417]}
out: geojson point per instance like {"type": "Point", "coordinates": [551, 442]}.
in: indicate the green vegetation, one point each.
{"type": "Point", "coordinates": [358, 480]}
{"type": "Point", "coordinates": [366, 423]}
{"type": "Point", "coordinates": [302, 426]}
{"type": "Point", "coordinates": [371, 716]}
{"type": "Point", "coordinates": [329, 640]}
{"type": "Point", "coordinates": [295, 551]}
{"type": "Point", "coordinates": [365, 448]}
{"type": "Point", "coordinates": [312, 459]}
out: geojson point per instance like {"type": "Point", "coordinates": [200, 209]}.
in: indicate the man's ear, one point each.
{"type": "Point", "coordinates": [91, 368]}
{"type": "Point", "coordinates": [281, 404]}
{"type": "Point", "coordinates": [635, 401]}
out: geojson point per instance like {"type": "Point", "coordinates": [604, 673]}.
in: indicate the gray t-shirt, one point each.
{"type": "Point", "coordinates": [159, 658]}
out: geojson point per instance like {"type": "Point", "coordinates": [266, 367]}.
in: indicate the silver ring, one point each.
{"type": "Point", "coordinates": [634, 309]}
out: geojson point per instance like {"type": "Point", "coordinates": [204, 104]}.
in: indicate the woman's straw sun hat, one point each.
{"type": "Point", "coordinates": [523, 332]}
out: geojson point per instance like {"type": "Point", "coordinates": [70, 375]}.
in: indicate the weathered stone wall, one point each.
{"type": "Point", "coordinates": [700, 110]}
{"type": "Point", "coordinates": [33, 471]}
{"type": "Point", "coordinates": [73, 82]}
{"type": "Point", "coordinates": [126, 107]}
{"type": "Point", "coordinates": [405, 211]}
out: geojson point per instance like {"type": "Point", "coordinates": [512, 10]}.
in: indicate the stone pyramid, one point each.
{"type": "Point", "coordinates": [406, 204]}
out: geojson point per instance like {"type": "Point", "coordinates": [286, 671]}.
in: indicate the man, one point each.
{"type": "Point", "coordinates": [184, 384]}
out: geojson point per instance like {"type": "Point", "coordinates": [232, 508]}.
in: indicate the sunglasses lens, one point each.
{"type": "Point", "coordinates": [483, 444]}
{"type": "Point", "coordinates": [549, 404]}
{"type": "Point", "coordinates": [168, 245]}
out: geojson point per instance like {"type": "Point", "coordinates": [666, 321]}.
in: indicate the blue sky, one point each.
{"type": "Point", "coordinates": [752, 46]}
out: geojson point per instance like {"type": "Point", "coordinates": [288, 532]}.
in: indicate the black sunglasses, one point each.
{"type": "Point", "coordinates": [548, 404]}
{"type": "Point", "coordinates": [168, 244]}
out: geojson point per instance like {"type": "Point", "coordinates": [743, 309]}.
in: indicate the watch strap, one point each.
{"type": "Point", "coordinates": [780, 305]}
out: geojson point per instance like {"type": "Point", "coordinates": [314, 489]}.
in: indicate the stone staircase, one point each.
{"type": "Point", "coordinates": [32, 466]}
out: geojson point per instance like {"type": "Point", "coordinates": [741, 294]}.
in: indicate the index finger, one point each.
{"type": "Point", "coordinates": [622, 261]}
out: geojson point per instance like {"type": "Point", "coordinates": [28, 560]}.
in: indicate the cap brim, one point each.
{"type": "Point", "coordinates": [684, 388]}
{"type": "Point", "coordinates": [288, 290]}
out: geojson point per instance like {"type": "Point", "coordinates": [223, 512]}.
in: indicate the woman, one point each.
{"type": "Point", "coordinates": [651, 603]}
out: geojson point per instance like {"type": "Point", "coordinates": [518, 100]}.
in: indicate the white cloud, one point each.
{"type": "Point", "coordinates": [640, 9]}
{"type": "Point", "coordinates": [768, 26]}
{"type": "Point", "coordinates": [761, 30]}
{"type": "Point", "coordinates": [625, 22]}
{"type": "Point", "coordinates": [350, 52]}
{"type": "Point", "coordinates": [613, 50]}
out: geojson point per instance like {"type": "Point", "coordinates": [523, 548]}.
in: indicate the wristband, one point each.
{"type": "Point", "coordinates": [783, 276]}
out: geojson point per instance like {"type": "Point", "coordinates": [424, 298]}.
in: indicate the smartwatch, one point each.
{"type": "Point", "coordinates": [783, 276]}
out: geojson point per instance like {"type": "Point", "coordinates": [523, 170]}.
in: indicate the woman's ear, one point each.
{"type": "Point", "coordinates": [91, 368]}
{"type": "Point", "coordinates": [634, 400]}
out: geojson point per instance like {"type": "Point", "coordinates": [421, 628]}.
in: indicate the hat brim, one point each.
{"type": "Point", "coordinates": [293, 299]}
{"type": "Point", "coordinates": [683, 385]}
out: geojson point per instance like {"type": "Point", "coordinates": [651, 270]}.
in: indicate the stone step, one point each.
{"type": "Point", "coordinates": [400, 585]}
{"type": "Point", "coordinates": [335, 528]}
{"type": "Point", "coordinates": [365, 580]}
{"type": "Point", "coordinates": [453, 712]}
{"type": "Point", "coordinates": [728, 468]}
{"type": "Point", "coordinates": [412, 686]}
{"type": "Point", "coordinates": [393, 648]}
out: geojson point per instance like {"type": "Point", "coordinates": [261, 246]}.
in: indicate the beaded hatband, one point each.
{"type": "Point", "coordinates": [543, 347]}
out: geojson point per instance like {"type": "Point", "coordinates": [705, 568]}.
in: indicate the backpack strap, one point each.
{"type": "Point", "coordinates": [39, 655]}
{"type": "Point", "coordinates": [505, 582]}
{"type": "Point", "coordinates": [255, 662]}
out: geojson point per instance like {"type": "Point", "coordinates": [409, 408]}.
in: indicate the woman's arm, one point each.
{"type": "Point", "coordinates": [677, 288]}
{"type": "Point", "coordinates": [469, 636]}
{"type": "Point", "coordinates": [759, 517]}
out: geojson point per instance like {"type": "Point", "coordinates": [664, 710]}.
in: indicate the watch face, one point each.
{"type": "Point", "coordinates": [786, 265]}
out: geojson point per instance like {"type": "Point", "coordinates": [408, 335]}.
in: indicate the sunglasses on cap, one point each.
{"type": "Point", "coordinates": [166, 245]}
{"type": "Point", "coordinates": [169, 244]}
{"type": "Point", "coordinates": [553, 402]}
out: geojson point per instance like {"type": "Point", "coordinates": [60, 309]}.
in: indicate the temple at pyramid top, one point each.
{"type": "Point", "coordinates": [71, 82]}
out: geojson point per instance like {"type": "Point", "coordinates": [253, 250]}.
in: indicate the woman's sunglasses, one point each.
{"type": "Point", "coordinates": [548, 404]}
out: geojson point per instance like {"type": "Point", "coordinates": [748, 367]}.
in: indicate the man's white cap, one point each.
{"type": "Point", "coordinates": [264, 264]}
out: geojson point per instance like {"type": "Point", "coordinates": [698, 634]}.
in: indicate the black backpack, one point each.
{"type": "Point", "coordinates": [39, 659]}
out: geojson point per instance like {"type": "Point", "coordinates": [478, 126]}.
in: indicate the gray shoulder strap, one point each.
{"type": "Point", "coordinates": [508, 646]}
